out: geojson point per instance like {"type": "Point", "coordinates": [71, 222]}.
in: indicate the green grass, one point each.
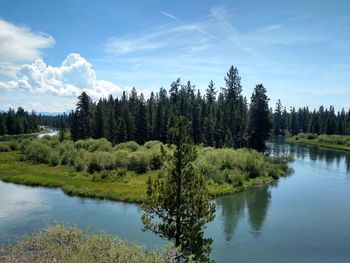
{"type": "Point", "coordinates": [130, 188]}
{"type": "Point", "coordinates": [64, 244]}
{"type": "Point", "coordinates": [336, 142]}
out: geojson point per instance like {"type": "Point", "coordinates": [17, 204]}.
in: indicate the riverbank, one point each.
{"type": "Point", "coordinates": [60, 243]}
{"type": "Point", "coordinates": [336, 142]}
{"type": "Point", "coordinates": [131, 188]}
{"type": "Point", "coordinates": [43, 130]}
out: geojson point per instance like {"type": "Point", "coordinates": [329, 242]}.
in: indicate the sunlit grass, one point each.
{"type": "Point", "coordinates": [337, 142]}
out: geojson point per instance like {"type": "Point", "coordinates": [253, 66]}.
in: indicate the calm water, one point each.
{"type": "Point", "coordinates": [302, 218]}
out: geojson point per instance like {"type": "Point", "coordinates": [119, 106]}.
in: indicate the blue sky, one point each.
{"type": "Point", "coordinates": [51, 51]}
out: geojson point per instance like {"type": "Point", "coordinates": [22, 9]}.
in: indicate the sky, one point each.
{"type": "Point", "coordinates": [51, 51]}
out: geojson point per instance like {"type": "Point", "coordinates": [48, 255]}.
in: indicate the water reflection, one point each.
{"type": "Point", "coordinates": [232, 209]}
{"type": "Point", "coordinates": [277, 147]}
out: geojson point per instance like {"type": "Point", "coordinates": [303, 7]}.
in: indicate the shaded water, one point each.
{"type": "Point", "coordinates": [301, 218]}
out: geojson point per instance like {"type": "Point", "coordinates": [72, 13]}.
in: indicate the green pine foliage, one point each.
{"type": "Point", "coordinates": [177, 205]}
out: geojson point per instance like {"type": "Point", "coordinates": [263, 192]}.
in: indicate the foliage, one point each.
{"type": "Point", "coordinates": [177, 206]}
{"type": "Point", "coordinates": [131, 146]}
{"type": "Point", "coordinates": [4, 147]}
{"type": "Point", "coordinates": [260, 125]}
{"type": "Point", "coordinates": [68, 244]}
{"type": "Point", "coordinates": [341, 142]}
{"type": "Point", "coordinates": [18, 122]}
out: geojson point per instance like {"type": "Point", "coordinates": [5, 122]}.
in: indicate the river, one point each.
{"type": "Point", "coordinates": [304, 217]}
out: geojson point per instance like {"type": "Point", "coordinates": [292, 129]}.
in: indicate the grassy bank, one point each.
{"type": "Point", "coordinates": [69, 244]}
{"type": "Point", "coordinates": [337, 142]}
{"type": "Point", "coordinates": [96, 169]}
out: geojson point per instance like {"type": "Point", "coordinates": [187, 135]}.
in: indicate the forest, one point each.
{"type": "Point", "coordinates": [222, 117]}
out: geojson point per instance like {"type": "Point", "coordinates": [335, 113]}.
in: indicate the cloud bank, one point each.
{"type": "Point", "coordinates": [71, 78]}
{"type": "Point", "coordinates": [20, 44]}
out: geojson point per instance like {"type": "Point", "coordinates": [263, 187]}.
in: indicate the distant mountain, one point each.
{"type": "Point", "coordinates": [52, 113]}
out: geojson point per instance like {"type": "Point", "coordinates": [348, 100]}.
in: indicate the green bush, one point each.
{"type": "Point", "coordinates": [13, 145]}
{"type": "Point", "coordinates": [139, 162]}
{"type": "Point", "coordinates": [54, 158]}
{"type": "Point", "coordinates": [65, 146]}
{"type": "Point", "coordinates": [68, 157]}
{"type": "Point", "coordinates": [121, 157]}
{"type": "Point", "coordinates": [153, 145]}
{"type": "Point", "coordinates": [64, 244]}
{"type": "Point", "coordinates": [23, 144]}
{"type": "Point", "coordinates": [38, 152]}
{"type": "Point", "coordinates": [98, 161]}
{"type": "Point", "coordinates": [311, 136]}
{"type": "Point", "coordinates": [156, 161]}
{"type": "Point", "coordinates": [4, 147]}
{"type": "Point", "coordinates": [131, 146]}
{"type": "Point", "coordinates": [102, 145]}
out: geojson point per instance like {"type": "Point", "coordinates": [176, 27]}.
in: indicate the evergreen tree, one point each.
{"type": "Point", "coordinates": [141, 128]}
{"type": "Point", "coordinates": [84, 116]}
{"type": "Point", "coordinates": [180, 200]}
{"type": "Point", "coordinates": [111, 131]}
{"type": "Point", "coordinates": [277, 119]}
{"type": "Point", "coordinates": [260, 124]}
{"type": "Point", "coordinates": [233, 98]}
{"type": "Point", "coordinates": [99, 123]}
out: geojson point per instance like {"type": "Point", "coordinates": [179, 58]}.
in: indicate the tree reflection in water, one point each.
{"type": "Point", "coordinates": [255, 201]}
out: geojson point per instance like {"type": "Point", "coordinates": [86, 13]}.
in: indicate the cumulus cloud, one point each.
{"type": "Point", "coordinates": [20, 44]}
{"type": "Point", "coordinates": [71, 78]}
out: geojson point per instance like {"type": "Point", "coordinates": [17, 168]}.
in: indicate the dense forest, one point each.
{"type": "Point", "coordinates": [18, 122]}
{"type": "Point", "coordinates": [220, 117]}
{"type": "Point", "coordinates": [218, 120]}
{"type": "Point", "coordinates": [321, 121]}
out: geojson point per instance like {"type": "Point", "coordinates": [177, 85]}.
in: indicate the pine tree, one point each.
{"type": "Point", "coordinates": [141, 122]}
{"type": "Point", "coordinates": [277, 119]}
{"type": "Point", "coordinates": [179, 199]}
{"type": "Point", "coordinates": [99, 123]}
{"type": "Point", "coordinates": [84, 115]}
{"type": "Point", "coordinates": [233, 98]}
{"type": "Point", "coordinates": [111, 131]}
{"type": "Point", "coordinates": [260, 124]}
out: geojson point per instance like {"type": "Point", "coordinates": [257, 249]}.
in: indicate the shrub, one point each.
{"type": "Point", "coordinates": [13, 145]}
{"type": "Point", "coordinates": [311, 136]}
{"type": "Point", "coordinates": [64, 244]}
{"type": "Point", "coordinates": [156, 161]}
{"type": "Point", "coordinates": [98, 161]}
{"type": "Point", "coordinates": [54, 158]}
{"type": "Point", "coordinates": [121, 157]}
{"type": "Point", "coordinates": [132, 146]}
{"type": "Point", "coordinates": [100, 145]}
{"type": "Point", "coordinates": [82, 144]}
{"type": "Point", "coordinates": [65, 146]}
{"type": "Point", "coordinates": [153, 145]}
{"type": "Point", "coordinates": [23, 144]}
{"type": "Point", "coordinates": [38, 152]}
{"type": "Point", "coordinates": [68, 157]}
{"type": "Point", "coordinates": [4, 148]}
{"type": "Point", "coordinates": [121, 172]}
{"type": "Point", "coordinates": [139, 162]}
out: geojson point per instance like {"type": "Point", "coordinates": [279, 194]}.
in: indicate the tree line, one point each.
{"type": "Point", "coordinates": [321, 121]}
{"type": "Point", "coordinates": [219, 119]}
{"type": "Point", "coordinates": [18, 122]}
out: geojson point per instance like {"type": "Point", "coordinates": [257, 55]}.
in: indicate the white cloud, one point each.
{"type": "Point", "coordinates": [170, 16]}
{"type": "Point", "coordinates": [179, 36]}
{"type": "Point", "coordinates": [70, 79]}
{"type": "Point", "coordinates": [20, 44]}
